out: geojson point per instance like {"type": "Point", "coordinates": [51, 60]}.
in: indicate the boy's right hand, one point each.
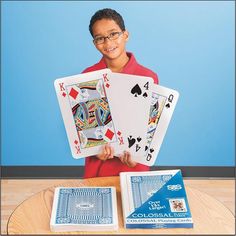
{"type": "Point", "coordinates": [106, 153]}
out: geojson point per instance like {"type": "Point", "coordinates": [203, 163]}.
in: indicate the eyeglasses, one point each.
{"type": "Point", "coordinates": [111, 36]}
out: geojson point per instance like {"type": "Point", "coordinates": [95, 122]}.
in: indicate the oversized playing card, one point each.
{"type": "Point", "coordinates": [162, 107]}
{"type": "Point", "coordinates": [130, 98]}
{"type": "Point", "coordinates": [84, 208]}
{"type": "Point", "coordinates": [87, 115]}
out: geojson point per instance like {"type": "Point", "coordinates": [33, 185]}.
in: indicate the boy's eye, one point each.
{"type": "Point", "coordinates": [111, 36]}
{"type": "Point", "coordinates": [114, 34]}
{"type": "Point", "coordinates": [99, 39]}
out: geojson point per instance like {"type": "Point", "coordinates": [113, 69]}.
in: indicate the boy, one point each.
{"type": "Point", "coordinates": [109, 37]}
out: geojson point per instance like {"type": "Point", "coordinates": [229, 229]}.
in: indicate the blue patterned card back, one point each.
{"type": "Point", "coordinates": [143, 187]}
{"type": "Point", "coordinates": [84, 206]}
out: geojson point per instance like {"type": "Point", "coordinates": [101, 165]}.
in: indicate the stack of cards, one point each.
{"type": "Point", "coordinates": [84, 209]}
{"type": "Point", "coordinates": [128, 111]}
{"type": "Point", "coordinates": [154, 199]}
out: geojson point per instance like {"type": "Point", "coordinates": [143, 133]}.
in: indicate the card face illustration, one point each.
{"type": "Point", "coordinates": [91, 113]}
{"type": "Point", "coordinates": [157, 105]}
{"type": "Point", "coordinates": [87, 113]}
{"type": "Point", "coordinates": [130, 97]}
{"type": "Point", "coordinates": [163, 103]}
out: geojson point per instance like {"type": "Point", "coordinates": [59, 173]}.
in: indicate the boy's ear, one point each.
{"type": "Point", "coordinates": [126, 34]}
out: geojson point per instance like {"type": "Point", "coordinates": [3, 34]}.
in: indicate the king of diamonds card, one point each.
{"type": "Point", "coordinates": [87, 113]}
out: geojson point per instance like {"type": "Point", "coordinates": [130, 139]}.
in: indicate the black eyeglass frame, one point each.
{"type": "Point", "coordinates": [108, 37]}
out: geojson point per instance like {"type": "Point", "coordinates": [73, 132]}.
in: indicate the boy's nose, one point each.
{"type": "Point", "coordinates": [107, 40]}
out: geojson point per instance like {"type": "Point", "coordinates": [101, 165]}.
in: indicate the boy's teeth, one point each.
{"type": "Point", "coordinates": [110, 49]}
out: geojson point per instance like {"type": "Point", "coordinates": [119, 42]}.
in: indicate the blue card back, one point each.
{"type": "Point", "coordinates": [143, 187]}
{"type": "Point", "coordinates": [84, 206]}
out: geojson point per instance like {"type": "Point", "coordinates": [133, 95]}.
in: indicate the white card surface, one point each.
{"type": "Point", "coordinates": [86, 112]}
{"type": "Point", "coordinates": [130, 97]}
{"type": "Point", "coordinates": [163, 103]}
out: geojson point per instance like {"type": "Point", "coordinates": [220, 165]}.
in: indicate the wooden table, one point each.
{"type": "Point", "coordinates": [33, 215]}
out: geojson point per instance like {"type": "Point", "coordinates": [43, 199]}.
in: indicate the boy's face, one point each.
{"type": "Point", "coordinates": [110, 49]}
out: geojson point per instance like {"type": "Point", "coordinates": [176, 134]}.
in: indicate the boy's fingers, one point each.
{"type": "Point", "coordinates": [128, 157]}
{"type": "Point", "coordinates": [121, 157]}
{"type": "Point", "coordinates": [127, 160]}
{"type": "Point", "coordinates": [111, 153]}
{"type": "Point", "coordinates": [102, 155]}
{"type": "Point", "coordinates": [108, 150]}
{"type": "Point", "coordinates": [130, 162]}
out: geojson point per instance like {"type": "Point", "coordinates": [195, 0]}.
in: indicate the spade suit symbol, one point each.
{"type": "Point", "coordinates": [168, 105]}
{"type": "Point", "coordinates": [136, 90]}
{"type": "Point", "coordinates": [145, 95]}
{"type": "Point", "coordinates": [131, 141]}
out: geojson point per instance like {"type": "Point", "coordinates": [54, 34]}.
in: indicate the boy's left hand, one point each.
{"type": "Point", "coordinates": [127, 160]}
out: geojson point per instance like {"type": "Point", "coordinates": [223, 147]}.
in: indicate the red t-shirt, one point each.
{"type": "Point", "coordinates": [112, 167]}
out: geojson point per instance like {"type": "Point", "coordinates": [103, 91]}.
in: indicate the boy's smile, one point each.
{"type": "Point", "coordinates": [107, 27]}
{"type": "Point", "coordinates": [109, 39]}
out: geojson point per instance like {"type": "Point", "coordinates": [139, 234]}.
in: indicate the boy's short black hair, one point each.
{"type": "Point", "coordinates": [106, 13]}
